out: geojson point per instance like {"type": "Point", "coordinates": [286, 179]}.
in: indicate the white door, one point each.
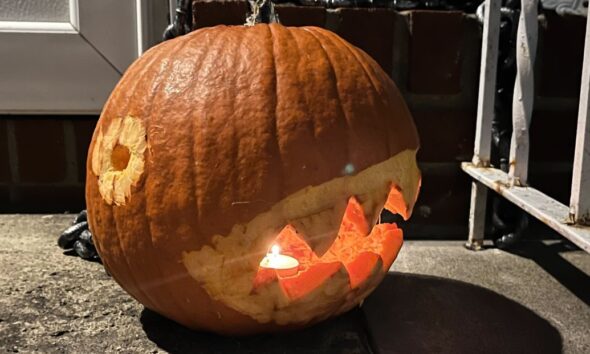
{"type": "Point", "coordinates": [65, 56]}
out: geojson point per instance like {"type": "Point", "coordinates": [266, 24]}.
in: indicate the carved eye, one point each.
{"type": "Point", "coordinates": [118, 158]}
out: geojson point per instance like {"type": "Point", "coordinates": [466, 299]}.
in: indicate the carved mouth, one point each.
{"type": "Point", "coordinates": [360, 250]}
{"type": "Point", "coordinates": [330, 229]}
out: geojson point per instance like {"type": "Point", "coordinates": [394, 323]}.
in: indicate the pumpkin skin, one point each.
{"type": "Point", "coordinates": [217, 144]}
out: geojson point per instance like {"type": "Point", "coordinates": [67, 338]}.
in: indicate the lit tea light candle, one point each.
{"type": "Point", "coordinates": [284, 265]}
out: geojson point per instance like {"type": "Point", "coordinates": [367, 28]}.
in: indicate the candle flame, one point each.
{"type": "Point", "coordinates": [275, 250]}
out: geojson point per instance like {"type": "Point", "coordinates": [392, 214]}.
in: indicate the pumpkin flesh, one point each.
{"type": "Point", "coordinates": [355, 249]}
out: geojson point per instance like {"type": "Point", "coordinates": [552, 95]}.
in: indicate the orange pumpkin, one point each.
{"type": "Point", "coordinates": [218, 144]}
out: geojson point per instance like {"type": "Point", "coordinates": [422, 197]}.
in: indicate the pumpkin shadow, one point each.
{"type": "Point", "coordinates": [410, 313]}
{"type": "Point", "coordinates": [407, 313]}
{"type": "Point", "coordinates": [344, 334]}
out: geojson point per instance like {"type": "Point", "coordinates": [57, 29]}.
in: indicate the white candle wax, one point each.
{"type": "Point", "coordinates": [281, 262]}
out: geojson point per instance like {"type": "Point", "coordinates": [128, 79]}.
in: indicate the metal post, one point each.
{"type": "Point", "coordinates": [180, 19]}
{"type": "Point", "coordinates": [485, 113]}
{"type": "Point", "coordinates": [522, 104]}
{"type": "Point", "coordinates": [172, 9]}
{"type": "Point", "coordinates": [487, 83]}
{"type": "Point", "coordinates": [580, 197]}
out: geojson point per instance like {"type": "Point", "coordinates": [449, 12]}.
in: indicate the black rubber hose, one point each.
{"type": "Point", "coordinates": [71, 234]}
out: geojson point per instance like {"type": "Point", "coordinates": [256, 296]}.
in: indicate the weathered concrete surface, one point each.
{"type": "Point", "coordinates": [534, 302]}
{"type": "Point", "coordinates": [502, 302]}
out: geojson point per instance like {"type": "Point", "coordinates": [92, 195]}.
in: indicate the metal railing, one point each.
{"type": "Point", "coordinates": [572, 222]}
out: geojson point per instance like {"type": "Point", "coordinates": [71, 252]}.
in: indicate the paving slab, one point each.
{"type": "Point", "coordinates": [438, 298]}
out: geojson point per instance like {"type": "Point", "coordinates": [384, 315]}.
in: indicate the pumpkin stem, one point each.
{"type": "Point", "coordinates": [263, 11]}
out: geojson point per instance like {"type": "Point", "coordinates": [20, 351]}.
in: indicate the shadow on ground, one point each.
{"type": "Point", "coordinates": [411, 313]}
{"type": "Point", "coordinates": [345, 334]}
{"type": "Point", "coordinates": [408, 313]}
{"type": "Point", "coordinates": [549, 257]}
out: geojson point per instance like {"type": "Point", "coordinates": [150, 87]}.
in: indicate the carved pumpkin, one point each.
{"type": "Point", "coordinates": [221, 143]}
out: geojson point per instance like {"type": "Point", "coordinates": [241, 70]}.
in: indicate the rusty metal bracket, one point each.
{"type": "Point", "coordinates": [546, 209]}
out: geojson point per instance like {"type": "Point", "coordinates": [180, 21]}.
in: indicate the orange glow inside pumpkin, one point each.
{"type": "Point", "coordinates": [355, 248]}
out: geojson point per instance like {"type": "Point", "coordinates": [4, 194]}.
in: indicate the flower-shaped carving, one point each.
{"type": "Point", "coordinates": [118, 158]}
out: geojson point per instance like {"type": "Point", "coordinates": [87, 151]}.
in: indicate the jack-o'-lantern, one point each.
{"type": "Point", "coordinates": [222, 153]}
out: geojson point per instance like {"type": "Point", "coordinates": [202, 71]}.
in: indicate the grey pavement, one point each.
{"type": "Point", "coordinates": [438, 298]}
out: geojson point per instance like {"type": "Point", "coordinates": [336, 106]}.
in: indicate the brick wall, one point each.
{"type": "Point", "coordinates": [43, 162]}
{"type": "Point", "coordinates": [434, 59]}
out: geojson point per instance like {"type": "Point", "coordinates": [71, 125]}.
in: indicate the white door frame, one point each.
{"type": "Point", "coordinates": [71, 67]}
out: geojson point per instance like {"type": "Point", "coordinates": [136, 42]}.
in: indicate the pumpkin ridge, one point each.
{"type": "Point", "coordinates": [364, 136]}
{"type": "Point", "coordinates": [276, 121]}
{"type": "Point", "coordinates": [369, 78]}
{"type": "Point", "coordinates": [279, 116]}
{"type": "Point", "coordinates": [192, 140]}
{"type": "Point", "coordinates": [155, 95]}
{"type": "Point", "coordinates": [299, 145]}
{"type": "Point", "coordinates": [306, 42]}
{"type": "Point", "coordinates": [203, 152]}
{"type": "Point", "coordinates": [355, 51]}
{"type": "Point", "coordinates": [346, 114]}
{"type": "Point", "coordinates": [296, 38]}
{"type": "Point", "coordinates": [376, 74]}
{"type": "Point", "coordinates": [235, 142]}
{"type": "Point", "coordinates": [245, 168]}
{"type": "Point", "coordinates": [193, 125]}
{"type": "Point", "coordinates": [189, 311]}
{"type": "Point", "coordinates": [342, 112]}
{"type": "Point", "coordinates": [132, 92]}
{"type": "Point", "coordinates": [280, 180]}
{"type": "Point", "coordinates": [362, 59]}
{"type": "Point", "coordinates": [153, 91]}
{"type": "Point", "coordinates": [137, 292]}
{"type": "Point", "coordinates": [164, 274]}
{"type": "Point", "coordinates": [178, 277]}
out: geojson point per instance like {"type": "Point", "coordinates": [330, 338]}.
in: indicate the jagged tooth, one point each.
{"type": "Point", "coordinates": [372, 205]}
{"type": "Point", "coordinates": [292, 243]}
{"type": "Point", "coordinates": [363, 267]}
{"type": "Point", "coordinates": [365, 288]}
{"type": "Point", "coordinates": [263, 277]}
{"type": "Point", "coordinates": [378, 208]}
{"type": "Point", "coordinates": [321, 229]}
{"type": "Point", "coordinates": [290, 237]}
{"type": "Point", "coordinates": [386, 240]}
{"type": "Point", "coordinates": [396, 203]}
{"type": "Point", "coordinates": [326, 278]}
{"type": "Point", "coordinates": [354, 219]}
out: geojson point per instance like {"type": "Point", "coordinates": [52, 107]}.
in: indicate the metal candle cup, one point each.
{"type": "Point", "coordinates": [285, 266]}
